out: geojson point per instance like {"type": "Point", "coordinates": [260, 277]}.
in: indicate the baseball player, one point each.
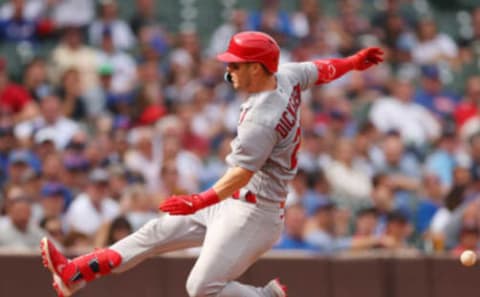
{"type": "Point", "coordinates": [241, 216]}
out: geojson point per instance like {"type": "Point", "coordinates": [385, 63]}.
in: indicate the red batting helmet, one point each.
{"type": "Point", "coordinates": [252, 46]}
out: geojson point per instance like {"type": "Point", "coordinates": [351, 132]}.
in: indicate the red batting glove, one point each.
{"type": "Point", "coordinates": [188, 204]}
{"type": "Point", "coordinates": [367, 57]}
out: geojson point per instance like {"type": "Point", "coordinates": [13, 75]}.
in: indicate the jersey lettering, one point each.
{"type": "Point", "coordinates": [289, 116]}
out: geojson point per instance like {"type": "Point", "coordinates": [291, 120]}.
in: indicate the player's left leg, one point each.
{"type": "Point", "coordinates": [163, 234]}
{"type": "Point", "coordinates": [236, 237]}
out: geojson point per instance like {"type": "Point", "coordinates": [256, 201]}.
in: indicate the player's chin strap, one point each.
{"type": "Point", "coordinates": [228, 77]}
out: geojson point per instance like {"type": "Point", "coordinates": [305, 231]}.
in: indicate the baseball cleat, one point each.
{"type": "Point", "coordinates": [278, 288]}
{"type": "Point", "coordinates": [56, 262]}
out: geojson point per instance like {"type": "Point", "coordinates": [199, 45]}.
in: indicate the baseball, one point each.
{"type": "Point", "coordinates": [468, 258]}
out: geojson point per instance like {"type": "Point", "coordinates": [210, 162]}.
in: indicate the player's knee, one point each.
{"type": "Point", "coordinates": [201, 288]}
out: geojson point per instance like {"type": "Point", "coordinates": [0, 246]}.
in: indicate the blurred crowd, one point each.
{"type": "Point", "coordinates": [123, 112]}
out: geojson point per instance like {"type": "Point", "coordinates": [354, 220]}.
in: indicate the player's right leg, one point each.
{"type": "Point", "coordinates": [166, 233]}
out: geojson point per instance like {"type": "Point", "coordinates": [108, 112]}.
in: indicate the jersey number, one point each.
{"type": "Point", "coordinates": [297, 140]}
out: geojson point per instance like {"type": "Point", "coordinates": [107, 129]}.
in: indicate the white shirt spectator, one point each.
{"type": "Point", "coordinates": [74, 12]}
{"type": "Point", "coordinates": [348, 182]}
{"type": "Point", "coordinates": [124, 70]}
{"type": "Point", "coordinates": [12, 238]}
{"type": "Point", "coordinates": [32, 11]}
{"type": "Point", "coordinates": [84, 59]}
{"type": "Point", "coordinates": [414, 122]}
{"type": "Point", "coordinates": [149, 168]}
{"type": "Point", "coordinates": [429, 51]}
{"type": "Point", "coordinates": [64, 130]}
{"type": "Point", "coordinates": [82, 216]}
{"type": "Point", "coordinates": [123, 38]}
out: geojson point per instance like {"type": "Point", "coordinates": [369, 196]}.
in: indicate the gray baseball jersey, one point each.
{"type": "Point", "coordinates": [269, 132]}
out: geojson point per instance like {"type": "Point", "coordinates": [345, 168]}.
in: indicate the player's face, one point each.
{"type": "Point", "coordinates": [241, 75]}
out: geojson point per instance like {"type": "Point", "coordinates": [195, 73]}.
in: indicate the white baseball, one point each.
{"type": "Point", "coordinates": [468, 258]}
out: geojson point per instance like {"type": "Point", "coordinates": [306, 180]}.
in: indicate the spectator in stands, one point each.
{"type": "Point", "coordinates": [431, 201]}
{"type": "Point", "coordinates": [52, 226]}
{"type": "Point", "coordinates": [16, 27]}
{"type": "Point", "coordinates": [54, 200]}
{"type": "Point", "coordinates": [94, 204]}
{"type": "Point", "coordinates": [72, 52]}
{"type": "Point", "coordinates": [138, 206]}
{"type": "Point", "coordinates": [14, 98]}
{"type": "Point", "coordinates": [20, 161]}
{"type": "Point", "coordinates": [169, 181]}
{"type": "Point", "coordinates": [75, 175]}
{"type": "Point", "coordinates": [108, 20]}
{"type": "Point", "coordinates": [432, 94]}
{"type": "Point", "coordinates": [51, 117]}
{"type": "Point", "coordinates": [17, 229]}
{"type": "Point", "coordinates": [112, 232]}
{"type": "Point", "coordinates": [399, 228]}
{"type": "Point", "coordinates": [272, 19]}
{"type": "Point", "coordinates": [35, 78]}
{"type": "Point", "coordinates": [443, 159]}
{"type": "Point", "coordinates": [77, 13]}
{"type": "Point", "coordinates": [416, 124]}
{"type": "Point", "coordinates": [320, 232]}
{"type": "Point", "coordinates": [432, 47]}
{"type": "Point", "coordinates": [292, 237]}
{"type": "Point", "coordinates": [366, 222]}
{"type": "Point", "coordinates": [237, 22]}
{"type": "Point", "coordinates": [70, 94]}
{"type": "Point", "coordinates": [350, 186]}
{"type": "Point", "coordinates": [124, 74]}
{"type": "Point", "coordinates": [7, 142]}
{"type": "Point", "coordinates": [466, 113]}
{"type": "Point", "coordinates": [145, 15]}
{"type": "Point", "coordinates": [31, 10]}
{"type": "Point", "coordinates": [143, 157]}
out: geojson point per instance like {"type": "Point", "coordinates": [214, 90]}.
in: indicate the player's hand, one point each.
{"type": "Point", "coordinates": [366, 58]}
{"type": "Point", "coordinates": [189, 204]}
{"type": "Point", "coordinates": [181, 205]}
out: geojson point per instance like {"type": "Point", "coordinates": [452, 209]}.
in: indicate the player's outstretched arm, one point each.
{"type": "Point", "coordinates": [331, 69]}
{"type": "Point", "coordinates": [234, 179]}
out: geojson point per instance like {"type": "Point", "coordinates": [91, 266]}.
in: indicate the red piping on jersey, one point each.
{"type": "Point", "coordinates": [332, 69]}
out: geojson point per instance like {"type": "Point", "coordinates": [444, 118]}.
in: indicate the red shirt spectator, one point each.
{"type": "Point", "coordinates": [13, 97]}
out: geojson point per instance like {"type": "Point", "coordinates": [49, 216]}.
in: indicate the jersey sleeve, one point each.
{"type": "Point", "coordinates": [252, 146]}
{"type": "Point", "coordinates": [304, 73]}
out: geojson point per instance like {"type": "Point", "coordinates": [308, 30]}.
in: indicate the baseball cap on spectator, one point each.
{"type": "Point", "coordinates": [98, 175]}
{"type": "Point", "coordinates": [52, 189]}
{"type": "Point", "coordinates": [106, 69]}
{"type": "Point", "coordinates": [75, 162]}
{"type": "Point", "coordinates": [430, 71]}
{"type": "Point", "coordinates": [121, 122]}
{"type": "Point", "coordinates": [19, 156]}
{"type": "Point", "coordinates": [320, 205]}
{"type": "Point", "coordinates": [44, 135]}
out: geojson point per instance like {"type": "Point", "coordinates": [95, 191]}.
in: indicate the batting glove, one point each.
{"type": "Point", "coordinates": [366, 58]}
{"type": "Point", "coordinates": [189, 204]}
